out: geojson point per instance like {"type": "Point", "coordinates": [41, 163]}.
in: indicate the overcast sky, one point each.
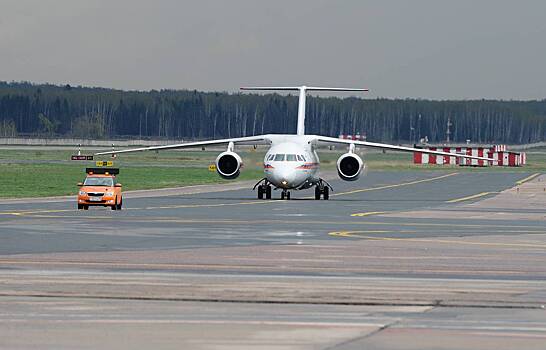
{"type": "Point", "coordinates": [428, 49]}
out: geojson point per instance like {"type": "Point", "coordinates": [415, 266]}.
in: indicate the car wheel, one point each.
{"type": "Point", "coordinates": [85, 207]}
{"type": "Point", "coordinates": [120, 204]}
{"type": "Point", "coordinates": [80, 207]}
{"type": "Point", "coordinates": [115, 206]}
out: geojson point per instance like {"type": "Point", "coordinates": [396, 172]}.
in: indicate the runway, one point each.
{"type": "Point", "coordinates": [453, 259]}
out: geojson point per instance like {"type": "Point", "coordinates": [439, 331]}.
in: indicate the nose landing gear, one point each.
{"type": "Point", "coordinates": [285, 194]}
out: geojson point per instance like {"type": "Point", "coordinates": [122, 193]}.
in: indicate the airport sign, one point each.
{"type": "Point", "coordinates": [81, 157]}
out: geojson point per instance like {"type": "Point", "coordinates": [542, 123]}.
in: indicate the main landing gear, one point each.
{"type": "Point", "coordinates": [322, 188]}
{"type": "Point", "coordinates": [264, 189]}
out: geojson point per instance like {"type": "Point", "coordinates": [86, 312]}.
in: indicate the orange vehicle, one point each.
{"type": "Point", "coordinates": [100, 188]}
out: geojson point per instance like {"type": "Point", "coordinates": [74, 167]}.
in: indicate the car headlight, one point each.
{"type": "Point", "coordinates": [109, 194]}
{"type": "Point", "coordinates": [82, 193]}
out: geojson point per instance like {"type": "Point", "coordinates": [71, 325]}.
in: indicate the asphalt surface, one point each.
{"type": "Point", "coordinates": [232, 218]}
{"type": "Point", "coordinates": [396, 260]}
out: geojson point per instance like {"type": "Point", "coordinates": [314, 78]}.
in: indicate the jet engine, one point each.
{"type": "Point", "coordinates": [228, 165]}
{"type": "Point", "coordinates": [349, 166]}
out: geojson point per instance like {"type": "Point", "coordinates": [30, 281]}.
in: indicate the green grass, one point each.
{"type": "Point", "coordinates": [39, 180]}
{"type": "Point", "coordinates": [39, 173]}
{"type": "Point", "coordinates": [49, 172]}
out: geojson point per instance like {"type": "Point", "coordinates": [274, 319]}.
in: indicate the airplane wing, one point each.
{"type": "Point", "coordinates": [334, 140]}
{"type": "Point", "coordinates": [252, 140]}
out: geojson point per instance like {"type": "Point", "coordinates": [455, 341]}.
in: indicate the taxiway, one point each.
{"type": "Point", "coordinates": [454, 259]}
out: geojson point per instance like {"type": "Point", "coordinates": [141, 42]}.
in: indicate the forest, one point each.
{"type": "Point", "coordinates": [47, 110]}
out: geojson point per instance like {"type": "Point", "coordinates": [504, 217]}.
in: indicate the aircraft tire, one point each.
{"type": "Point", "coordinates": [282, 195]}
{"type": "Point", "coordinates": [268, 192]}
{"type": "Point", "coordinates": [260, 192]}
{"type": "Point", "coordinates": [326, 193]}
{"type": "Point", "coordinates": [288, 195]}
{"type": "Point", "coordinates": [317, 192]}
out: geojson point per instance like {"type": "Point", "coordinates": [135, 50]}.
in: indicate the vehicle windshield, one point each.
{"type": "Point", "coordinates": [99, 181]}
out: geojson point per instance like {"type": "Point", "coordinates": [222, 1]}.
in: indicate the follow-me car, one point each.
{"type": "Point", "coordinates": [292, 163]}
{"type": "Point", "coordinates": [100, 188]}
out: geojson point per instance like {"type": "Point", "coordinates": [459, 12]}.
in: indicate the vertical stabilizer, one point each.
{"type": "Point", "coordinates": [302, 98]}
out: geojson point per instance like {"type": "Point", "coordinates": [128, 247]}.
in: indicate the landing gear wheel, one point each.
{"type": "Point", "coordinates": [288, 195]}
{"type": "Point", "coordinates": [282, 195]}
{"type": "Point", "coordinates": [268, 192]}
{"type": "Point", "coordinates": [260, 192]}
{"type": "Point", "coordinates": [322, 188]}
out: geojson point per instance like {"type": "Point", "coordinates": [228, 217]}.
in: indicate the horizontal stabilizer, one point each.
{"type": "Point", "coordinates": [297, 88]}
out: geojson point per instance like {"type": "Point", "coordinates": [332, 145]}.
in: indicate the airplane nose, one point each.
{"type": "Point", "coordinates": [287, 177]}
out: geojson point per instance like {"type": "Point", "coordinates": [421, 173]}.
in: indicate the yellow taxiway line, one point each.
{"type": "Point", "coordinates": [394, 185]}
{"type": "Point", "coordinates": [356, 234]}
{"type": "Point", "coordinates": [474, 196]}
{"type": "Point", "coordinates": [368, 213]}
{"type": "Point", "coordinates": [528, 178]}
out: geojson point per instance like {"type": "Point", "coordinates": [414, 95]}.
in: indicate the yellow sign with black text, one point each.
{"type": "Point", "coordinates": [104, 163]}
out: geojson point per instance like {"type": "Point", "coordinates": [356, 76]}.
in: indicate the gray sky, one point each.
{"type": "Point", "coordinates": [429, 49]}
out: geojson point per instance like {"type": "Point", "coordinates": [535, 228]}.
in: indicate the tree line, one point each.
{"type": "Point", "coordinates": [92, 112]}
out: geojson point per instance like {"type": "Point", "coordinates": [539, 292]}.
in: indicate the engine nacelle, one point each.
{"type": "Point", "coordinates": [228, 165]}
{"type": "Point", "coordinates": [349, 166]}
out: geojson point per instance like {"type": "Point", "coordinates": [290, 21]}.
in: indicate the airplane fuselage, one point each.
{"type": "Point", "coordinates": [291, 162]}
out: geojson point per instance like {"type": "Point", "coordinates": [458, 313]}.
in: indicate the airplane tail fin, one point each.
{"type": "Point", "coordinates": [302, 94]}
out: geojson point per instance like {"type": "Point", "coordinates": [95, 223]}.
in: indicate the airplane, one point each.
{"type": "Point", "coordinates": [292, 162]}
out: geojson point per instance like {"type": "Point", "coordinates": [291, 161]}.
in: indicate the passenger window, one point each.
{"type": "Point", "coordinates": [290, 157]}
{"type": "Point", "coordinates": [279, 157]}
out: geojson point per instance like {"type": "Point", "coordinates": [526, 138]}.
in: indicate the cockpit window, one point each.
{"type": "Point", "coordinates": [270, 157]}
{"type": "Point", "coordinates": [300, 158]}
{"type": "Point", "coordinates": [279, 157]}
{"type": "Point", "coordinates": [290, 157]}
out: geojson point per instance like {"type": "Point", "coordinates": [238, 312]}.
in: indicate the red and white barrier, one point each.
{"type": "Point", "coordinates": [499, 148]}
{"type": "Point", "coordinates": [475, 152]}
{"type": "Point", "coordinates": [357, 137]}
{"type": "Point", "coordinates": [509, 158]}
{"type": "Point", "coordinates": [499, 153]}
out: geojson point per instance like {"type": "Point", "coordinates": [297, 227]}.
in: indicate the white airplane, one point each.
{"type": "Point", "coordinates": [292, 163]}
